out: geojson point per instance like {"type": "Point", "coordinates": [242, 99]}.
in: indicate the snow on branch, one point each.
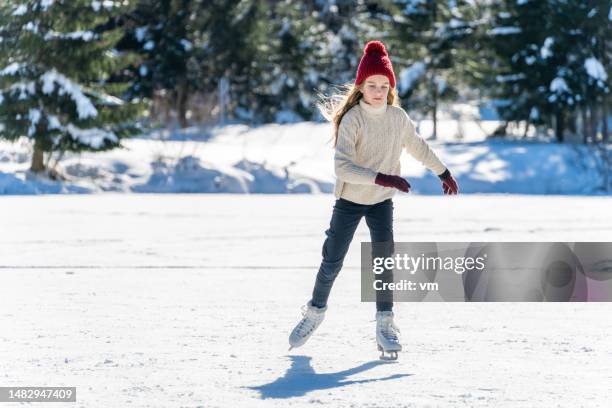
{"type": "Point", "coordinates": [93, 137]}
{"type": "Point", "coordinates": [85, 108]}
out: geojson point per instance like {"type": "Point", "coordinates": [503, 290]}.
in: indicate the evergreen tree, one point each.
{"type": "Point", "coordinates": [233, 37]}
{"type": "Point", "coordinates": [553, 57]}
{"type": "Point", "coordinates": [291, 76]}
{"type": "Point", "coordinates": [53, 84]}
{"type": "Point", "coordinates": [349, 26]}
{"type": "Point", "coordinates": [162, 34]}
{"type": "Point", "coordinates": [434, 43]}
{"type": "Point", "coordinates": [587, 48]}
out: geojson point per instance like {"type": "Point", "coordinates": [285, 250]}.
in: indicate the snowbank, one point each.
{"type": "Point", "coordinates": [298, 158]}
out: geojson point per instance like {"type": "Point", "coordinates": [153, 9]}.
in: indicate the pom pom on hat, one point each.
{"type": "Point", "coordinates": [375, 46]}
{"type": "Point", "coordinates": [375, 61]}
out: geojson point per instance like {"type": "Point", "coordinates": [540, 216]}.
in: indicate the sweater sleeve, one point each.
{"type": "Point", "coordinates": [344, 158]}
{"type": "Point", "coordinates": [418, 148]}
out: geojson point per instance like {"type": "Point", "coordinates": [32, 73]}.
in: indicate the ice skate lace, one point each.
{"type": "Point", "coordinates": [390, 330]}
{"type": "Point", "coordinates": [307, 323]}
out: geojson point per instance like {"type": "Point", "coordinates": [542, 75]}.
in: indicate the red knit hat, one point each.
{"type": "Point", "coordinates": [375, 60]}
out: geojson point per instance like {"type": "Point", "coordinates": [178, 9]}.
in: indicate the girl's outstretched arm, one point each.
{"type": "Point", "coordinates": [418, 148]}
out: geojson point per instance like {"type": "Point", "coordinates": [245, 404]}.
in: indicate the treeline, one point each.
{"type": "Point", "coordinates": [82, 74]}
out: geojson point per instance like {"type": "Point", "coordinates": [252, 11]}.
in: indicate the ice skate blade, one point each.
{"type": "Point", "coordinates": [391, 357]}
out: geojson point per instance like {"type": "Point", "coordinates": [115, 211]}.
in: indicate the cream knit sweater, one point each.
{"type": "Point", "coordinates": [371, 140]}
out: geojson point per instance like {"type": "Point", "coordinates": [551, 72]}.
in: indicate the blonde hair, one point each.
{"type": "Point", "coordinates": [334, 107]}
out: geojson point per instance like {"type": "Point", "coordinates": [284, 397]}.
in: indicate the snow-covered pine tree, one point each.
{"type": "Point", "coordinates": [434, 45]}
{"type": "Point", "coordinates": [288, 85]}
{"type": "Point", "coordinates": [553, 61]}
{"type": "Point", "coordinates": [233, 46]}
{"type": "Point", "coordinates": [162, 34]}
{"type": "Point", "coordinates": [517, 34]}
{"type": "Point", "coordinates": [348, 26]}
{"type": "Point", "coordinates": [584, 38]}
{"type": "Point", "coordinates": [56, 59]}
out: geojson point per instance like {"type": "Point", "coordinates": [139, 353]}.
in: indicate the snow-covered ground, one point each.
{"type": "Point", "coordinates": [298, 158]}
{"type": "Point", "coordinates": [186, 300]}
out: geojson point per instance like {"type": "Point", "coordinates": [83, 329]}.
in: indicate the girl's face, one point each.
{"type": "Point", "coordinates": [375, 90]}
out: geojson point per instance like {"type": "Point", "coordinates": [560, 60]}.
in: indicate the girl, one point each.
{"type": "Point", "coordinates": [370, 130]}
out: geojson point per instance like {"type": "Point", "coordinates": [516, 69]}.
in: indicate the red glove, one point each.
{"type": "Point", "coordinates": [387, 180]}
{"type": "Point", "coordinates": [449, 184]}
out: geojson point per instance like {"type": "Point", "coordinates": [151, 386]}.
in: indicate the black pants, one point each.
{"type": "Point", "coordinates": [345, 219]}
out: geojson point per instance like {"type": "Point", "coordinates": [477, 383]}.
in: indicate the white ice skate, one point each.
{"type": "Point", "coordinates": [387, 336]}
{"type": "Point", "coordinates": [312, 318]}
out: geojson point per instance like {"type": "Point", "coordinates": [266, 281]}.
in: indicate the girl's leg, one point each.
{"type": "Point", "coordinates": [344, 221]}
{"type": "Point", "coordinates": [379, 218]}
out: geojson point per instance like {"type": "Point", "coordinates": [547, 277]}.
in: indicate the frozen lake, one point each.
{"type": "Point", "coordinates": [187, 300]}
